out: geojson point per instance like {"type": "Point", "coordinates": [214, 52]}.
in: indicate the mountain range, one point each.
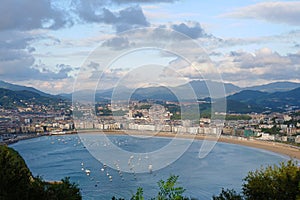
{"type": "Point", "coordinates": [194, 89]}
{"type": "Point", "coordinates": [274, 96]}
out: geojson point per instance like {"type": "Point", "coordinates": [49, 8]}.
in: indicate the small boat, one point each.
{"type": "Point", "coordinates": [88, 172]}
{"type": "Point", "coordinates": [150, 167]}
{"type": "Point", "coordinates": [57, 132]}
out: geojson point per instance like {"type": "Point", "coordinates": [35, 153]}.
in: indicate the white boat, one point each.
{"type": "Point", "coordinates": [58, 133]}
{"type": "Point", "coordinates": [88, 172]}
{"type": "Point", "coordinates": [150, 167]}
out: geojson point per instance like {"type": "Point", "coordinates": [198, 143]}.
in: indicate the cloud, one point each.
{"type": "Point", "coordinates": [259, 59]}
{"type": "Point", "coordinates": [191, 29]}
{"type": "Point", "coordinates": [14, 52]}
{"type": "Point", "coordinates": [122, 20]}
{"type": "Point", "coordinates": [18, 63]}
{"type": "Point", "coordinates": [118, 43]}
{"type": "Point", "coordinates": [132, 17]}
{"type": "Point", "coordinates": [157, 36]}
{"type": "Point", "coordinates": [276, 12]}
{"type": "Point", "coordinates": [20, 70]}
{"type": "Point", "coordinates": [93, 65]}
{"type": "Point", "coordinates": [50, 86]}
{"type": "Point", "coordinates": [263, 64]}
{"type": "Point", "coordinates": [31, 14]}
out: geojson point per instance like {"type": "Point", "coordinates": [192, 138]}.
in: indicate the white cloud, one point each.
{"type": "Point", "coordinates": [276, 12]}
{"type": "Point", "coordinates": [264, 64]}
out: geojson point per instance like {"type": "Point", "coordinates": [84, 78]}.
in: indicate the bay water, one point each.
{"type": "Point", "coordinates": [56, 157]}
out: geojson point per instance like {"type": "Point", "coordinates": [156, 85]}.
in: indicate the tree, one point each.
{"type": "Point", "coordinates": [228, 195]}
{"type": "Point", "coordinates": [276, 183]}
{"type": "Point", "coordinates": [138, 195]}
{"type": "Point", "coordinates": [17, 182]}
{"type": "Point", "coordinates": [270, 183]}
{"type": "Point", "coordinates": [168, 189]}
{"type": "Point", "coordinates": [63, 190]}
{"type": "Point", "coordinates": [15, 176]}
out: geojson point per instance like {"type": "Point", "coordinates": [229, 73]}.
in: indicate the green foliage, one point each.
{"type": "Point", "coordinates": [145, 106]}
{"type": "Point", "coordinates": [16, 181]}
{"type": "Point", "coordinates": [62, 190]}
{"type": "Point", "coordinates": [114, 198]}
{"type": "Point", "coordinates": [13, 174]}
{"type": "Point", "coordinates": [119, 112]}
{"type": "Point", "coordinates": [270, 183]}
{"type": "Point", "coordinates": [228, 195]}
{"type": "Point", "coordinates": [168, 189]}
{"type": "Point", "coordinates": [11, 99]}
{"type": "Point", "coordinates": [273, 131]}
{"type": "Point", "coordinates": [276, 183]}
{"type": "Point", "coordinates": [238, 117]}
{"type": "Point", "coordinates": [138, 195]}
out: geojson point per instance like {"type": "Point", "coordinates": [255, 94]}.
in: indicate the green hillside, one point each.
{"type": "Point", "coordinates": [13, 99]}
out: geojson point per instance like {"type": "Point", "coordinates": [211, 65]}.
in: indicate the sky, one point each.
{"type": "Point", "coordinates": [63, 45]}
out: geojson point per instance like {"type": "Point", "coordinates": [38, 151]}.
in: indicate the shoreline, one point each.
{"type": "Point", "coordinates": [30, 136]}
{"type": "Point", "coordinates": [20, 138]}
{"type": "Point", "coordinates": [284, 149]}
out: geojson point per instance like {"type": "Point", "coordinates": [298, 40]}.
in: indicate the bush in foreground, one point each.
{"type": "Point", "coordinates": [276, 183]}
{"type": "Point", "coordinates": [228, 195]}
{"type": "Point", "coordinates": [17, 182]}
{"type": "Point", "coordinates": [270, 183]}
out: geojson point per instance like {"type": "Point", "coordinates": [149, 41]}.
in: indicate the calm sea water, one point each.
{"type": "Point", "coordinates": [55, 157]}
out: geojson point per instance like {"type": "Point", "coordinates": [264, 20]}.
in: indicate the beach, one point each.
{"type": "Point", "coordinates": [285, 149]}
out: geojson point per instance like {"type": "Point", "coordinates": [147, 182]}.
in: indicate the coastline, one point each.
{"type": "Point", "coordinates": [19, 138]}
{"type": "Point", "coordinates": [30, 136]}
{"type": "Point", "coordinates": [284, 149]}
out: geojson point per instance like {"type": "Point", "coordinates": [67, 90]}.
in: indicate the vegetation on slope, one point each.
{"type": "Point", "coordinates": [17, 182]}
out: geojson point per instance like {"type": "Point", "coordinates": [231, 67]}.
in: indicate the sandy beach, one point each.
{"type": "Point", "coordinates": [281, 148]}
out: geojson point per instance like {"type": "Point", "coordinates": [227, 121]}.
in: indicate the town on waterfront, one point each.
{"type": "Point", "coordinates": [31, 120]}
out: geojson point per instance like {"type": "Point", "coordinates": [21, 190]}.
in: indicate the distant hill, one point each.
{"type": "Point", "coordinates": [66, 95]}
{"type": "Point", "coordinates": [283, 99]}
{"type": "Point", "coordinates": [13, 99]}
{"type": "Point", "coordinates": [202, 88]}
{"type": "Point", "coordinates": [276, 101]}
{"type": "Point", "coordinates": [157, 93]}
{"type": "Point", "coordinates": [234, 106]}
{"type": "Point", "coordinates": [249, 96]}
{"type": "Point", "coordinates": [275, 87]}
{"type": "Point", "coordinates": [183, 92]}
{"type": "Point", "coordinates": [14, 87]}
